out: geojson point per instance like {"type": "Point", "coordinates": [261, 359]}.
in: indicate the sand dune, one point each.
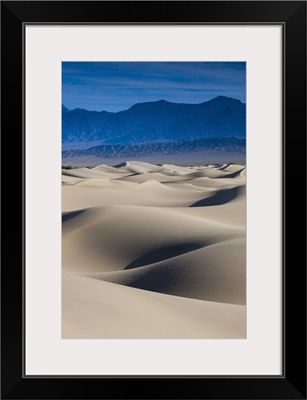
{"type": "Point", "coordinates": [97, 309]}
{"type": "Point", "coordinates": [197, 274]}
{"type": "Point", "coordinates": [154, 251]}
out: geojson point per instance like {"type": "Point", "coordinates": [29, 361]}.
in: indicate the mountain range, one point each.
{"type": "Point", "coordinates": [155, 127]}
{"type": "Point", "coordinates": [145, 149]}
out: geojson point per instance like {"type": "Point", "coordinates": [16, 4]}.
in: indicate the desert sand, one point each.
{"type": "Point", "coordinates": [154, 252]}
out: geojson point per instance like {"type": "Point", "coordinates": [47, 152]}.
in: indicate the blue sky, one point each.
{"type": "Point", "coordinates": [116, 86]}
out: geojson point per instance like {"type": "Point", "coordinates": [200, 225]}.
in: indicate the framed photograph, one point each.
{"type": "Point", "coordinates": [159, 155]}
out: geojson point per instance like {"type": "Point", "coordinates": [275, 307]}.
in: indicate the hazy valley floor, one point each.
{"type": "Point", "coordinates": [180, 158]}
{"type": "Point", "coordinates": [154, 252]}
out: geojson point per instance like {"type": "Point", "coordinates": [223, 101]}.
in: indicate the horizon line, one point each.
{"type": "Point", "coordinates": [155, 101]}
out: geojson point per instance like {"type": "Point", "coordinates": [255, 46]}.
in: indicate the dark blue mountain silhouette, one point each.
{"type": "Point", "coordinates": [64, 109]}
{"type": "Point", "coordinates": [159, 121]}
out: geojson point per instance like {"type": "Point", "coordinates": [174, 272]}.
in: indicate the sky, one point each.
{"type": "Point", "coordinates": [116, 86]}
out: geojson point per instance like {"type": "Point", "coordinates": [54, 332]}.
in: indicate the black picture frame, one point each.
{"type": "Point", "coordinates": [292, 16]}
